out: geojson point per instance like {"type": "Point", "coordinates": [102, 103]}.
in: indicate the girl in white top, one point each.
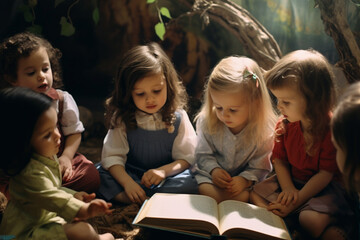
{"type": "Point", "coordinates": [151, 142]}
{"type": "Point", "coordinates": [27, 60]}
{"type": "Point", "coordinates": [235, 130]}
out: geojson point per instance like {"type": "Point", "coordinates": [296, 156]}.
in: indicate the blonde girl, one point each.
{"type": "Point", "coordinates": [150, 143]}
{"type": "Point", "coordinates": [235, 130]}
{"type": "Point", "coordinates": [306, 177]}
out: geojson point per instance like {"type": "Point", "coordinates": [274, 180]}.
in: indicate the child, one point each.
{"type": "Point", "coordinates": [39, 207]}
{"type": "Point", "coordinates": [30, 61]}
{"type": "Point", "coordinates": [150, 137]}
{"type": "Point", "coordinates": [235, 130]}
{"type": "Point", "coordinates": [345, 133]}
{"type": "Point", "coordinates": [303, 155]}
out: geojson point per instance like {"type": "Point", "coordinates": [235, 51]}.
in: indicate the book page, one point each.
{"type": "Point", "coordinates": [236, 214]}
{"type": "Point", "coordinates": [182, 206]}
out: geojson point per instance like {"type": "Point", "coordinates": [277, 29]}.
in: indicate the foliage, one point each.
{"type": "Point", "coordinates": [67, 26]}
{"type": "Point", "coordinates": [162, 12]}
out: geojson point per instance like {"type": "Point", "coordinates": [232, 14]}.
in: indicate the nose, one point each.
{"type": "Point", "coordinates": [278, 105]}
{"type": "Point", "coordinates": [225, 114]}
{"type": "Point", "coordinates": [149, 99]}
{"type": "Point", "coordinates": [41, 76]}
{"type": "Point", "coordinates": [57, 134]}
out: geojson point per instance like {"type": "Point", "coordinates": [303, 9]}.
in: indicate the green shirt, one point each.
{"type": "Point", "coordinates": [38, 199]}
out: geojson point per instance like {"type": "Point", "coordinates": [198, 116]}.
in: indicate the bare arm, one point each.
{"type": "Point", "coordinates": [133, 190]}
{"type": "Point", "coordinates": [155, 176]}
{"type": "Point", "coordinates": [72, 143]}
{"type": "Point", "coordinates": [316, 183]}
{"type": "Point", "coordinates": [289, 193]}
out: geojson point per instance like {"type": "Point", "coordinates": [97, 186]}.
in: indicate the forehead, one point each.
{"type": "Point", "coordinates": [150, 81]}
{"type": "Point", "coordinates": [46, 120]}
{"type": "Point", "coordinates": [235, 98]}
{"type": "Point", "coordinates": [287, 92]}
{"type": "Point", "coordinates": [39, 53]}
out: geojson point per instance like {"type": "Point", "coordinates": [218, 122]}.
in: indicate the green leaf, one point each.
{"type": "Point", "coordinates": [160, 30]}
{"type": "Point", "coordinates": [28, 15]}
{"type": "Point", "coordinates": [67, 29]}
{"type": "Point", "coordinates": [57, 2]}
{"type": "Point", "coordinates": [150, 1]}
{"type": "Point", "coordinates": [165, 12]}
{"type": "Point", "coordinates": [96, 15]}
{"type": "Point", "coordinates": [37, 29]}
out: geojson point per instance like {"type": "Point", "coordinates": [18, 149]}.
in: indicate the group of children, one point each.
{"type": "Point", "coordinates": [151, 145]}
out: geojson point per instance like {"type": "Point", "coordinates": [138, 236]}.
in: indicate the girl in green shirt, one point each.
{"type": "Point", "coordinates": [39, 207]}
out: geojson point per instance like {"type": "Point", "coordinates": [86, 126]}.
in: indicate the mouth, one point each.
{"type": "Point", "coordinates": [151, 106]}
{"type": "Point", "coordinates": [43, 87]}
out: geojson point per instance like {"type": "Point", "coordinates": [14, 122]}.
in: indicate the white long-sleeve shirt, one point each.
{"type": "Point", "coordinates": [116, 147]}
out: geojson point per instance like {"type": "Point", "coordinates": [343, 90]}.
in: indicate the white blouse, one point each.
{"type": "Point", "coordinates": [116, 146]}
{"type": "Point", "coordinates": [70, 120]}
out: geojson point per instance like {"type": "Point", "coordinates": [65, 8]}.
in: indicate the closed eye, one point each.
{"type": "Point", "coordinates": [30, 73]}
{"type": "Point", "coordinates": [157, 91]}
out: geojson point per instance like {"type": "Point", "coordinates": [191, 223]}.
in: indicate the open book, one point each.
{"type": "Point", "coordinates": [201, 216]}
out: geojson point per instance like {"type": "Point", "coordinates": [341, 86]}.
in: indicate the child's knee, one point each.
{"type": "Point", "coordinates": [314, 222]}
{"type": "Point", "coordinates": [80, 230]}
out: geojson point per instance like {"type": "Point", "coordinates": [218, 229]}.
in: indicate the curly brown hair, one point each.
{"type": "Point", "coordinates": [22, 45]}
{"type": "Point", "coordinates": [139, 62]}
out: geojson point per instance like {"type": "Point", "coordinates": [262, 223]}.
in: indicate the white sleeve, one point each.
{"type": "Point", "coordinates": [115, 148]}
{"type": "Point", "coordinates": [185, 141]}
{"type": "Point", "coordinates": [70, 120]}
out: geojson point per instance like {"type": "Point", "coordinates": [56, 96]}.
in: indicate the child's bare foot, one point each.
{"type": "Point", "coordinates": [106, 236]}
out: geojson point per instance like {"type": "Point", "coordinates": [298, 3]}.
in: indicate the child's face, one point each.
{"type": "Point", "coordinates": [291, 103]}
{"type": "Point", "coordinates": [231, 108]}
{"type": "Point", "coordinates": [46, 137]}
{"type": "Point", "coordinates": [34, 71]}
{"type": "Point", "coordinates": [150, 93]}
{"type": "Point", "coordinates": [340, 155]}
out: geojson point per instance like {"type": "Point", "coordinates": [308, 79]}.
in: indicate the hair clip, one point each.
{"type": "Point", "coordinates": [254, 77]}
{"type": "Point", "coordinates": [171, 128]}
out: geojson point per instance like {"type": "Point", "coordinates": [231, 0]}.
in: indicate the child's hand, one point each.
{"type": "Point", "coordinates": [65, 167]}
{"type": "Point", "coordinates": [85, 197]}
{"type": "Point", "coordinates": [287, 196]}
{"type": "Point", "coordinates": [280, 209]}
{"type": "Point", "coordinates": [152, 177]}
{"type": "Point", "coordinates": [238, 184]}
{"type": "Point", "coordinates": [221, 178]}
{"type": "Point", "coordinates": [134, 192]}
{"type": "Point", "coordinates": [96, 207]}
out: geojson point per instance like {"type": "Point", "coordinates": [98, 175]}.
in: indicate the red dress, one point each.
{"type": "Point", "coordinates": [291, 147]}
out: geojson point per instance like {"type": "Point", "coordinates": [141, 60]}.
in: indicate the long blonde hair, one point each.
{"type": "Point", "coordinates": [234, 74]}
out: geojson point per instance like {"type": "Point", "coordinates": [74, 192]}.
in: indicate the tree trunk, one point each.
{"type": "Point", "coordinates": [334, 16]}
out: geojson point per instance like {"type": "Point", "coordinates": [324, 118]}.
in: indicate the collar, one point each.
{"type": "Point", "coordinates": [142, 117]}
